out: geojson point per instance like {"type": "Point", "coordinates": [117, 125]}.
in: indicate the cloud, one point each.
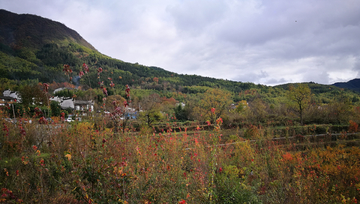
{"type": "Point", "coordinates": [254, 40]}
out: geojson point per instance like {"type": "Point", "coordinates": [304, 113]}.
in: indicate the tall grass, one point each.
{"type": "Point", "coordinates": [84, 163]}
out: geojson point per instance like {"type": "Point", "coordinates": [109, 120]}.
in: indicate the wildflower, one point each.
{"type": "Point", "coordinates": [219, 121]}
{"type": "Point", "coordinates": [287, 156]}
{"type": "Point", "coordinates": [66, 68]}
{"type": "Point", "coordinates": [220, 170]}
{"type": "Point", "coordinates": [34, 147]}
{"type": "Point", "coordinates": [81, 73]}
{"type": "Point", "coordinates": [208, 122]}
{"type": "Point", "coordinates": [182, 201]}
{"type": "Point", "coordinates": [112, 84]}
{"type": "Point", "coordinates": [68, 156]}
{"type": "Point", "coordinates": [127, 90]}
{"type": "Point", "coordinates": [213, 110]}
{"type": "Point", "coordinates": [46, 87]}
{"type": "Point", "coordinates": [86, 68]}
{"type": "Point", "coordinates": [100, 70]}
{"type": "Point", "coordinates": [105, 91]}
{"type": "Point", "coordinates": [6, 172]}
{"type": "Point", "coordinates": [43, 120]}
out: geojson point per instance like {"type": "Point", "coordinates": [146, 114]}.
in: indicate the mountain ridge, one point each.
{"type": "Point", "coordinates": [19, 29]}
{"type": "Point", "coordinates": [353, 84]}
{"type": "Point", "coordinates": [32, 52]}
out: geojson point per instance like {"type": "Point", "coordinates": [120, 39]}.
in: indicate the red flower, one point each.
{"type": "Point", "coordinates": [287, 156]}
{"type": "Point", "coordinates": [46, 87]}
{"type": "Point", "coordinates": [213, 110]}
{"type": "Point", "coordinates": [43, 120]}
{"type": "Point", "coordinates": [127, 90]}
{"type": "Point", "coordinates": [100, 70]}
{"type": "Point", "coordinates": [182, 201]}
{"type": "Point", "coordinates": [86, 68]}
{"type": "Point", "coordinates": [219, 121]}
{"type": "Point", "coordinates": [105, 91]}
{"type": "Point", "coordinates": [81, 73]}
{"type": "Point", "coordinates": [112, 84]}
{"type": "Point", "coordinates": [66, 68]}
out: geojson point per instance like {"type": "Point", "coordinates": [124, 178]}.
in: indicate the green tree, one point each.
{"type": "Point", "coordinates": [299, 97]}
{"type": "Point", "coordinates": [151, 109]}
{"type": "Point", "coordinates": [32, 94]}
{"type": "Point", "coordinates": [55, 108]}
{"type": "Point", "coordinates": [258, 109]}
{"type": "Point", "coordinates": [180, 113]}
{"type": "Point", "coordinates": [217, 100]}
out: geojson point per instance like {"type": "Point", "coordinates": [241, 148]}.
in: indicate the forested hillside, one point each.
{"type": "Point", "coordinates": [352, 85]}
{"type": "Point", "coordinates": [34, 49]}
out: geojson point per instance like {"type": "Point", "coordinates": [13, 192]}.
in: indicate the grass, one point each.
{"type": "Point", "coordinates": [87, 163]}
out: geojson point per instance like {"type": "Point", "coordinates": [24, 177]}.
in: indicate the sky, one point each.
{"type": "Point", "coordinates": [263, 42]}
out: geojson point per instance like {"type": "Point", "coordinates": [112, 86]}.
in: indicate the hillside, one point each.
{"type": "Point", "coordinates": [30, 31]}
{"type": "Point", "coordinates": [34, 48]}
{"type": "Point", "coordinates": [352, 85]}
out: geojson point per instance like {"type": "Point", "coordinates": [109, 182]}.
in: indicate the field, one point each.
{"type": "Point", "coordinates": [89, 163]}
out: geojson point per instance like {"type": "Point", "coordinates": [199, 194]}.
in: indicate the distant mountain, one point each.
{"type": "Point", "coordinates": [352, 85]}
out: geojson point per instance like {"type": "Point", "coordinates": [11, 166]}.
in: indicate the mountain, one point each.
{"type": "Point", "coordinates": [35, 49]}
{"type": "Point", "coordinates": [352, 85]}
{"type": "Point", "coordinates": [34, 32]}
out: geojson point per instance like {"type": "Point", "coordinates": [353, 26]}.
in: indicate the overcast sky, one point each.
{"type": "Point", "coordinates": [264, 42]}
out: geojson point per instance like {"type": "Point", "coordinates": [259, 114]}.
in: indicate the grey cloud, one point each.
{"type": "Point", "coordinates": [252, 76]}
{"type": "Point", "coordinates": [268, 42]}
{"type": "Point", "coordinates": [191, 17]}
{"type": "Point", "coordinates": [276, 81]}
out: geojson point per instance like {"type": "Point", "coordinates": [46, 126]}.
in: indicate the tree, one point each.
{"type": "Point", "coordinates": [151, 108]}
{"type": "Point", "coordinates": [180, 113]}
{"type": "Point", "coordinates": [300, 99]}
{"type": "Point", "coordinates": [213, 103]}
{"type": "Point", "coordinates": [55, 108]}
{"type": "Point", "coordinates": [258, 109]}
{"type": "Point", "coordinates": [32, 94]}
